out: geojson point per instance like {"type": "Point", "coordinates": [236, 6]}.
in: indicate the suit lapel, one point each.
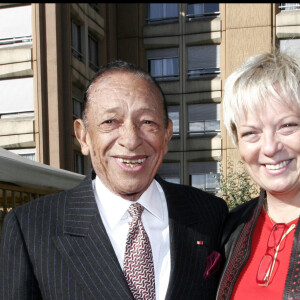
{"type": "Point", "coordinates": [86, 248]}
{"type": "Point", "coordinates": [187, 258]}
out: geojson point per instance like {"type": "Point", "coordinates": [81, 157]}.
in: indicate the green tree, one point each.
{"type": "Point", "coordinates": [237, 187]}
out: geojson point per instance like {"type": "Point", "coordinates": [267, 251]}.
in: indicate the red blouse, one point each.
{"type": "Point", "coordinates": [246, 286]}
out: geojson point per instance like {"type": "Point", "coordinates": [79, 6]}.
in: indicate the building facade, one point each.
{"type": "Point", "coordinates": [50, 51]}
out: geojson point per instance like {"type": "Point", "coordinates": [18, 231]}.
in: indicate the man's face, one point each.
{"type": "Point", "coordinates": [126, 136]}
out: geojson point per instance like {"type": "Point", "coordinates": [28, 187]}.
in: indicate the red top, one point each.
{"type": "Point", "coordinates": [246, 286]}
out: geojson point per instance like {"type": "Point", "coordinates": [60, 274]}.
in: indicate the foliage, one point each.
{"type": "Point", "coordinates": [237, 187]}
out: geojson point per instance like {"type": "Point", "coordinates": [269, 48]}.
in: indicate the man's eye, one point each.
{"type": "Point", "coordinates": [148, 122]}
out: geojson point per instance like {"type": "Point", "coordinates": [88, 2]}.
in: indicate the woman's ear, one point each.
{"type": "Point", "coordinates": [82, 136]}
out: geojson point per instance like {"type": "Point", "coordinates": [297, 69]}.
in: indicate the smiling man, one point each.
{"type": "Point", "coordinates": [123, 233]}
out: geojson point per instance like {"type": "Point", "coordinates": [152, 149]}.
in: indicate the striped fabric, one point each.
{"type": "Point", "coordinates": [56, 247]}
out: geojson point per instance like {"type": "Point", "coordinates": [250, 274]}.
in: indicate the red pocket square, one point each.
{"type": "Point", "coordinates": [212, 264]}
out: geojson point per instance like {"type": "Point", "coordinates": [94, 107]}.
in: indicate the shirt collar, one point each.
{"type": "Point", "coordinates": [151, 199]}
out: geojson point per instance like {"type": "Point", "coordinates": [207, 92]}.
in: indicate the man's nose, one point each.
{"type": "Point", "coordinates": [129, 136]}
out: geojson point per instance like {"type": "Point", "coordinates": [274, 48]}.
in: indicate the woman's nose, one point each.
{"type": "Point", "coordinates": [271, 144]}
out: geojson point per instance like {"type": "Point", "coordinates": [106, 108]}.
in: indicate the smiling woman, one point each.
{"type": "Point", "coordinates": [262, 114]}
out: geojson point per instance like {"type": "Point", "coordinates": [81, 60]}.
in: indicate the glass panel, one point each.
{"type": "Point", "coordinates": [172, 180]}
{"type": "Point", "coordinates": [211, 8]}
{"type": "Point", "coordinates": [155, 11]}
{"type": "Point", "coordinates": [201, 9]}
{"type": "Point", "coordinates": [160, 12]}
{"type": "Point", "coordinates": [203, 60]}
{"type": "Point", "coordinates": [170, 172]}
{"type": "Point", "coordinates": [77, 108]}
{"type": "Point", "coordinates": [196, 127]}
{"type": "Point", "coordinates": [15, 22]}
{"type": "Point", "coordinates": [29, 153]}
{"type": "Point", "coordinates": [289, 6]}
{"type": "Point", "coordinates": [173, 112]}
{"type": "Point", "coordinates": [204, 118]}
{"type": "Point", "coordinates": [76, 40]}
{"type": "Point", "coordinates": [170, 10]}
{"type": "Point", "coordinates": [206, 181]}
{"type": "Point", "coordinates": [195, 9]}
{"type": "Point", "coordinates": [16, 95]}
{"type": "Point", "coordinates": [170, 67]}
{"type": "Point", "coordinates": [93, 53]}
{"type": "Point", "coordinates": [156, 68]}
{"type": "Point", "coordinates": [198, 181]}
{"type": "Point", "coordinates": [290, 46]}
{"type": "Point", "coordinates": [78, 163]}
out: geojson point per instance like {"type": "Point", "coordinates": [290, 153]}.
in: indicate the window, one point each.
{"type": "Point", "coordinates": [289, 6]}
{"type": "Point", "coordinates": [196, 10]}
{"type": "Point", "coordinates": [78, 163]}
{"type": "Point", "coordinates": [16, 25]}
{"type": "Point", "coordinates": [203, 61]}
{"type": "Point", "coordinates": [173, 112]}
{"type": "Point", "coordinates": [290, 46]}
{"type": "Point", "coordinates": [93, 53]}
{"type": "Point", "coordinates": [16, 96]}
{"type": "Point", "coordinates": [170, 172]}
{"type": "Point", "coordinates": [77, 98]}
{"type": "Point", "coordinates": [76, 40]}
{"type": "Point", "coordinates": [29, 153]}
{"type": "Point", "coordinates": [204, 119]}
{"type": "Point", "coordinates": [205, 175]}
{"type": "Point", "coordinates": [77, 109]}
{"type": "Point", "coordinates": [162, 12]}
{"type": "Point", "coordinates": [163, 63]}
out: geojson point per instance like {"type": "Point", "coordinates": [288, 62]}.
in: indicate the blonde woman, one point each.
{"type": "Point", "coordinates": [262, 236]}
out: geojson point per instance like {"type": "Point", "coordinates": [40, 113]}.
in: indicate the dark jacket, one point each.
{"type": "Point", "coordinates": [237, 239]}
{"type": "Point", "coordinates": [56, 247]}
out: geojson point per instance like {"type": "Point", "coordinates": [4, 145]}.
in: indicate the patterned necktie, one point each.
{"type": "Point", "coordinates": [138, 264]}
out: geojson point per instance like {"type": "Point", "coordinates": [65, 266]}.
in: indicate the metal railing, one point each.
{"type": "Point", "coordinates": [12, 196]}
{"type": "Point", "coordinates": [289, 6]}
{"type": "Point", "coordinates": [15, 40]}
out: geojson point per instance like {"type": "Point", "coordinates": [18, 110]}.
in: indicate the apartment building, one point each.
{"type": "Point", "coordinates": [50, 51]}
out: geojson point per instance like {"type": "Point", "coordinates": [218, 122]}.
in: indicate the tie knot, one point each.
{"type": "Point", "coordinates": [136, 210]}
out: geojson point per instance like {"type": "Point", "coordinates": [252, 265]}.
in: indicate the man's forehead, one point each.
{"type": "Point", "coordinates": [118, 84]}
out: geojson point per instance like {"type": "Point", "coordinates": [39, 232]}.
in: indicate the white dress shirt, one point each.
{"type": "Point", "coordinates": [155, 221]}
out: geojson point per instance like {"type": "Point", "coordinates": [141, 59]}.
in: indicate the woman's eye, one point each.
{"type": "Point", "coordinates": [249, 136]}
{"type": "Point", "coordinates": [289, 125]}
{"type": "Point", "coordinates": [288, 128]}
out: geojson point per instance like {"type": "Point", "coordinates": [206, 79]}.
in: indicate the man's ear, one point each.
{"type": "Point", "coordinates": [82, 136]}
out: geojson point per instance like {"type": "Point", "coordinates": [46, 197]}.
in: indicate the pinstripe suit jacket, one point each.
{"type": "Point", "coordinates": [56, 247]}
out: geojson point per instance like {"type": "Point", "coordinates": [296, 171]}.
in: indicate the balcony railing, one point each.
{"type": "Point", "coordinates": [204, 127]}
{"type": "Point", "coordinates": [289, 6]}
{"type": "Point", "coordinates": [15, 40]}
{"type": "Point", "coordinates": [203, 72]}
{"type": "Point", "coordinates": [12, 196]}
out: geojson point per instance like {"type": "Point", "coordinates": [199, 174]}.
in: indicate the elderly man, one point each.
{"type": "Point", "coordinates": [122, 233]}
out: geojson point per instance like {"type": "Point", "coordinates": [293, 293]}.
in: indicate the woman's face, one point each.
{"type": "Point", "coordinates": [269, 144]}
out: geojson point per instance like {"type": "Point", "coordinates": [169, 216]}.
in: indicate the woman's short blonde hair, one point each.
{"type": "Point", "coordinates": [261, 76]}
